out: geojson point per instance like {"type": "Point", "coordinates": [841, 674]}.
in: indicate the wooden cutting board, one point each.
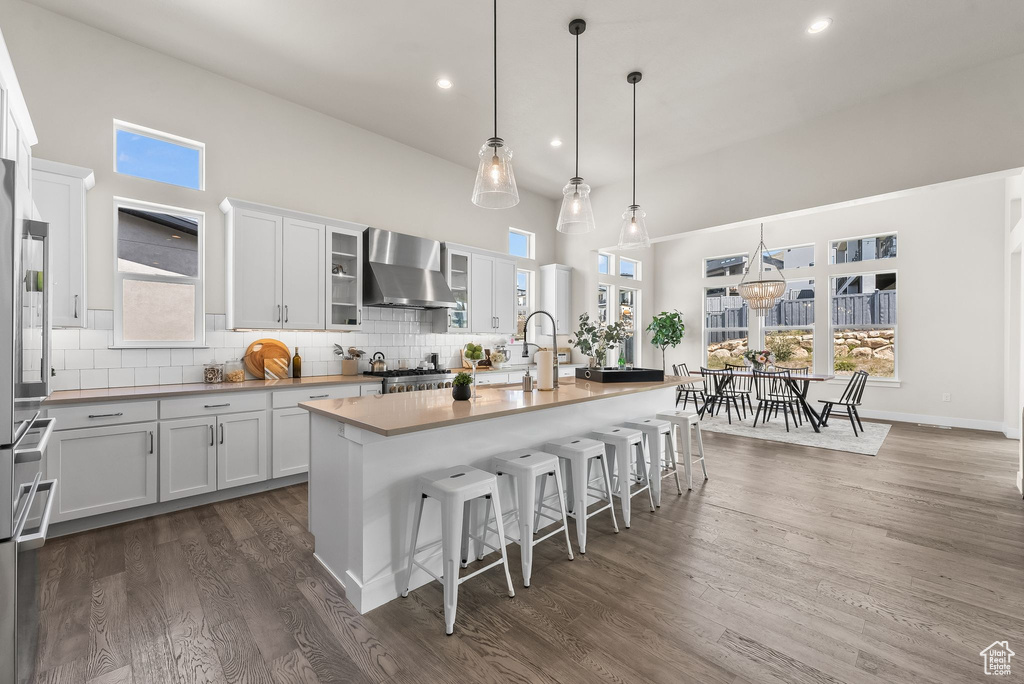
{"type": "Point", "coordinates": [267, 356]}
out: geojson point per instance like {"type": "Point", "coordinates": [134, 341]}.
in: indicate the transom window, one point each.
{"type": "Point", "coordinates": [725, 266]}
{"type": "Point", "coordinates": [629, 268]}
{"type": "Point", "coordinates": [604, 263]}
{"type": "Point", "coordinates": [520, 243]}
{"type": "Point", "coordinates": [789, 258]}
{"type": "Point", "coordinates": [157, 156]}
{"type": "Point", "coordinates": [863, 249]}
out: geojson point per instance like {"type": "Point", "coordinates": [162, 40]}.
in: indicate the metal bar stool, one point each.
{"type": "Point", "coordinates": [661, 446]}
{"type": "Point", "coordinates": [578, 453]}
{"type": "Point", "coordinates": [627, 442]}
{"type": "Point", "coordinates": [684, 421]}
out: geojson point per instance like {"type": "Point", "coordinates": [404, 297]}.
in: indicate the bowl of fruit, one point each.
{"type": "Point", "coordinates": [473, 355]}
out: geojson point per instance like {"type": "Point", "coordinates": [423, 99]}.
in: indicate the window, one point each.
{"type": "Point", "coordinates": [604, 263]}
{"type": "Point", "coordinates": [629, 313]}
{"type": "Point", "coordinates": [520, 243]}
{"type": "Point", "coordinates": [524, 301]}
{"type": "Point", "coordinates": [863, 324]}
{"type": "Point", "coordinates": [726, 323]}
{"type": "Point", "coordinates": [628, 268]}
{"type": "Point", "coordinates": [159, 268]}
{"type": "Point", "coordinates": [863, 249]}
{"type": "Point", "coordinates": [789, 326]}
{"type": "Point", "coordinates": [789, 258]}
{"type": "Point", "coordinates": [146, 153]}
{"type": "Point", "coordinates": [725, 266]}
{"type": "Point", "coordinates": [603, 295]}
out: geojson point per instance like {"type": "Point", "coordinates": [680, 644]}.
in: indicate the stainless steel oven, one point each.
{"type": "Point", "coordinates": [25, 498]}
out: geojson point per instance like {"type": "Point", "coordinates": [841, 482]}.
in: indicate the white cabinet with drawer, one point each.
{"type": "Point", "coordinates": [213, 404]}
{"type": "Point", "coordinates": [291, 398]}
{"type": "Point", "coordinates": [491, 378]}
{"type": "Point", "coordinates": [102, 469]}
{"type": "Point", "coordinates": [188, 457]}
{"type": "Point", "coordinates": [96, 415]}
{"type": "Point", "coordinates": [241, 449]}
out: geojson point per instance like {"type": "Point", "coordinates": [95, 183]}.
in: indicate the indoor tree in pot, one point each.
{"type": "Point", "coordinates": [594, 341]}
{"type": "Point", "coordinates": [462, 387]}
{"type": "Point", "coordinates": [667, 331]}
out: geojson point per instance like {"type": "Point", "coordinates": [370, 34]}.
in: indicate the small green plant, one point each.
{"type": "Point", "coordinates": [474, 352]}
{"type": "Point", "coordinates": [845, 365]}
{"type": "Point", "coordinates": [668, 330]}
{"type": "Point", "coordinates": [781, 346]}
{"type": "Point", "coordinates": [462, 379]}
{"type": "Point", "coordinates": [595, 340]}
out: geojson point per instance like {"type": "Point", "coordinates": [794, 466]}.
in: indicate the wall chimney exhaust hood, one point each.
{"type": "Point", "coordinates": [403, 271]}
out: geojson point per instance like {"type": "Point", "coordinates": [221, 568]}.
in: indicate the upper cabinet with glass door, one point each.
{"type": "Point", "coordinates": [455, 265]}
{"type": "Point", "coordinates": [345, 276]}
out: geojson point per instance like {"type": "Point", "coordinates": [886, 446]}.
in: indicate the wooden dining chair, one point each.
{"type": "Point", "coordinates": [773, 393]}
{"type": "Point", "coordinates": [850, 399]}
{"type": "Point", "coordinates": [685, 392]}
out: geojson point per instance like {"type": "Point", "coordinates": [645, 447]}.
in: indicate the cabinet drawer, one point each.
{"type": "Point", "coordinates": [492, 378]}
{"type": "Point", "coordinates": [97, 415]}
{"type": "Point", "coordinates": [290, 398]}
{"type": "Point", "coordinates": [213, 404]}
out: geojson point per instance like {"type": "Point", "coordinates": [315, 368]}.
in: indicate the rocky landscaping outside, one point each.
{"type": "Point", "coordinates": [854, 350]}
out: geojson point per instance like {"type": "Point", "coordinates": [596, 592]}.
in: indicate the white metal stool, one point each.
{"type": "Point", "coordinates": [661, 447]}
{"type": "Point", "coordinates": [684, 421]}
{"type": "Point", "coordinates": [525, 466]}
{"type": "Point", "coordinates": [626, 442]}
{"type": "Point", "coordinates": [455, 488]}
{"type": "Point", "coordinates": [578, 453]}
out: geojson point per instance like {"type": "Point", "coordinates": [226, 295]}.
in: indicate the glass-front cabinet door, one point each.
{"type": "Point", "coordinates": [344, 277]}
{"type": "Point", "coordinates": [458, 280]}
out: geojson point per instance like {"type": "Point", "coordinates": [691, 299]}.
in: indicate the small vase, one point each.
{"type": "Point", "coordinates": [592, 362]}
{"type": "Point", "coordinates": [462, 392]}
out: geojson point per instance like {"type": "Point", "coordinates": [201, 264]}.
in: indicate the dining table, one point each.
{"type": "Point", "coordinates": [798, 383]}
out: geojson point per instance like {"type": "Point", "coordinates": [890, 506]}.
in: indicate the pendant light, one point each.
{"type": "Point", "coordinates": [495, 186]}
{"type": "Point", "coordinates": [576, 216]}
{"type": "Point", "coordinates": [633, 234]}
{"type": "Point", "coordinates": [761, 294]}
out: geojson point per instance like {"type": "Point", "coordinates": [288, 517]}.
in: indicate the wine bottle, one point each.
{"type": "Point", "coordinates": [296, 364]}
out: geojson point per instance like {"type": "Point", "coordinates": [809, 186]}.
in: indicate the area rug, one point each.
{"type": "Point", "coordinates": [838, 436]}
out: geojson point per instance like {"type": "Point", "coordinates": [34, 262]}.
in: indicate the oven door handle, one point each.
{"type": "Point", "coordinates": [27, 542]}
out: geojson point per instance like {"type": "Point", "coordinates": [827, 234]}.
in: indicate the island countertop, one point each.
{"type": "Point", "coordinates": [398, 414]}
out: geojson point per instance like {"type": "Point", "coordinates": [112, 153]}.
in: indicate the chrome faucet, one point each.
{"type": "Point", "coordinates": [554, 341]}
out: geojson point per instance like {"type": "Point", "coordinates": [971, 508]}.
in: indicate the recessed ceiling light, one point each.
{"type": "Point", "coordinates": [556, 143]}
{"type": "Point", "coordinates": [444, 83]}
{"type": "Point", "coordinates": [819, 25]}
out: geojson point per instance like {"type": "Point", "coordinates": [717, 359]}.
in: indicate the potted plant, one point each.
{"type": "Point", "coordinates": [758, 359]}
{"type": "Point", "coordinates": [667, 331]}
{"type": "Point", "coordinates": [462, 387]}
{"type": "Point", "coordinates": [594, 341]}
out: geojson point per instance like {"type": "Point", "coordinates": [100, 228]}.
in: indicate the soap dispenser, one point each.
{"type": "Point", "coordinates": [527, 381]}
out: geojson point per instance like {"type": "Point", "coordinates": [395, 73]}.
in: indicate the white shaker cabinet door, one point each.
{"type": "Point", "coordinates": [481, 297]}
{"type": "Point", "coordinates": [303, 275]}
{"type": "Point", "coordinates": [255, 279]}
{"type": "Point", "coordinates": [290, 454]}
{"type": "Point", "coordinates": [188, 457]}
{"type": "Point", "coordinates": [241, 449]}
{"type": "Point", "coordinates": [60, 200]}
{"type": "Point", "coordinates": [102, 469]}
{"type": "Point", "coordinates": [504, 296]}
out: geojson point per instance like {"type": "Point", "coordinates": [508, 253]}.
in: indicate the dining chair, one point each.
{"type": "Point", "coordinates": [685, 392]}
{"type": "Point", "coordinates": [803, 385]}
{"type": "Point", "coordinates": [850, 399]}
{"type": "Point", "coordinates": [742, 385]}
{"type": "Point", "coordinates": [717, 389]}
{"type": "Point", "coordinates": [773, 393]}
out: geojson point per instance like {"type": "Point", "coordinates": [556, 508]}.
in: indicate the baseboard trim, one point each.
{"type": "Point", "coordinates": [138, 513]}
{"type": "Point", "coordinates": [944, 421]}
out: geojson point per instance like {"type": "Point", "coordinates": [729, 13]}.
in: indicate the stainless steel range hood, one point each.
{"type": "Point", "coordinates": [403, 271]}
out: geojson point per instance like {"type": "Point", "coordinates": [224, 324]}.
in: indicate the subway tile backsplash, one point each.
{"type": "Point", "coordinates": [83, 359]}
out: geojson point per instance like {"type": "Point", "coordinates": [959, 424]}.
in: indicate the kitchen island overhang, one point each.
{"type": "Point", "coordinates": [366, 453]}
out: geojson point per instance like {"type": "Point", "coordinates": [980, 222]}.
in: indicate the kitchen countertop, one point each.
{"type": "Point", "coordinates": [396, 414]}
{"type": "Point", "coordinates": [164, 391]}
{"type": "Point", "coordinates": [512, 368]}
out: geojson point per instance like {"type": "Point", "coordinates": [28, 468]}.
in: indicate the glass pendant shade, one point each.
{"type": "Point", "coordinates": [495, 186]}
{"type": "Point", "coordinates": [633, 234]}
{"type": "Point", "coordinates": [576, 216]}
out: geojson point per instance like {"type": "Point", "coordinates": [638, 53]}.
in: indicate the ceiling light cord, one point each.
{"type": "Point", "coordinates": [577, 106]}
{"type": "Point", "coordinates": [634, 145]}
{"type": "Point", "coordinates": [495, 68]}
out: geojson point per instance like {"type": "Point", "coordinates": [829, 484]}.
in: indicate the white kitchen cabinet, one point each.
{"type": "Point", "coordinates": [102, 469]}
{"type": "Point", "coordinates": [241, 449]}
{"type": "Point", "coordinates": [290, 428]}
{"type": "Point", "coordinates": [188, 457]}
{"type": "Point", "coordinates": [556, 298]}
{"type": "Point", "coordinates": [344, 276]}
{"type": "Point", "coordinates": [456, 266]}
{"type": "Point", "coordinates": [504, 296]}
{"type": "Point", "coordinates": [59, 192]}
{"type": "Point", "coordinates": [275, 268]}
{"type": "Point", "coordinates": [492, 295]}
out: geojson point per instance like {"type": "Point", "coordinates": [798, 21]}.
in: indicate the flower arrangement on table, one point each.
{"type": "Point", "coordinates": [594, 340]}
{"type": "Point", "coordinates": [759, 359]}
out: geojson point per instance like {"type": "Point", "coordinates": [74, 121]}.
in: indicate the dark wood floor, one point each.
{"type": "Point", "coordinates": [791, 564]}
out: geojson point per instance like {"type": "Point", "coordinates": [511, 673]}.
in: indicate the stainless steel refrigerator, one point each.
{"type": "Point", "coordinates": [25, 498]}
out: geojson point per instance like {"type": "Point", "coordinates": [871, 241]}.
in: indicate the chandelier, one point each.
{"type": "Point", "coordinates": [761, 294]}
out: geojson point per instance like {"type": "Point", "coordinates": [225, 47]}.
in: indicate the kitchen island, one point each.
{"type": "Point", "coordinates": [366, 452]}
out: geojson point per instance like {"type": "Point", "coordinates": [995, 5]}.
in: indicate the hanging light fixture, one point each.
{"type": "Point", "coordinates": [633, 234]}
{"type": "Point", "coordinates": [576, 216]}
{"type": "Point", "coordinates": [495, 186]}
{"type": "Point", "coordinates": [761, 294]}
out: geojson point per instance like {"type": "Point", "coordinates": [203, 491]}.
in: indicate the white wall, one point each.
{"type": "Point", "coordinates": [949, 282]}
{"type": "Point", "coordinates": [76, 80]}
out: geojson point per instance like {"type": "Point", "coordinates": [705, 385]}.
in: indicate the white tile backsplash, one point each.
{"type": "Point", "coordinates": [82, 358]}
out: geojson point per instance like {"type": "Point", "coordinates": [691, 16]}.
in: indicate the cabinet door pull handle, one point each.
{"type": "Point", "coordinates": [222, 433]}
{"type": "Point", "coordinates": [211, 435]}
{"type": "Point", "coordinates": [150, 441]}
{"type": "Point", "coordinates": [216, 405]}
{"type": "Point", "coordinates": [285, 313]}
{"type": "Point", "coordinates": [76, 306]}
{"type": "Point", "coordinates": [106, 415]}
{"type": "Point", "coordinates": [278, 313]}
{"type": "Point", "coordinates": [319, 396]}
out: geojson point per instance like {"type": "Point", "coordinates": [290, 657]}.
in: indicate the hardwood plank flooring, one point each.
{"type": "Point", "coordinates": [792, 564]}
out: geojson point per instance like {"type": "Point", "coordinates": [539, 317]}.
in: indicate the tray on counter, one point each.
{"type": "Point", "coordinates": [620, 374]}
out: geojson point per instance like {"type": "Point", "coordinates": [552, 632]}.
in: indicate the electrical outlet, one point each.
{"type": "Point", "coordinates": [946, 396]}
